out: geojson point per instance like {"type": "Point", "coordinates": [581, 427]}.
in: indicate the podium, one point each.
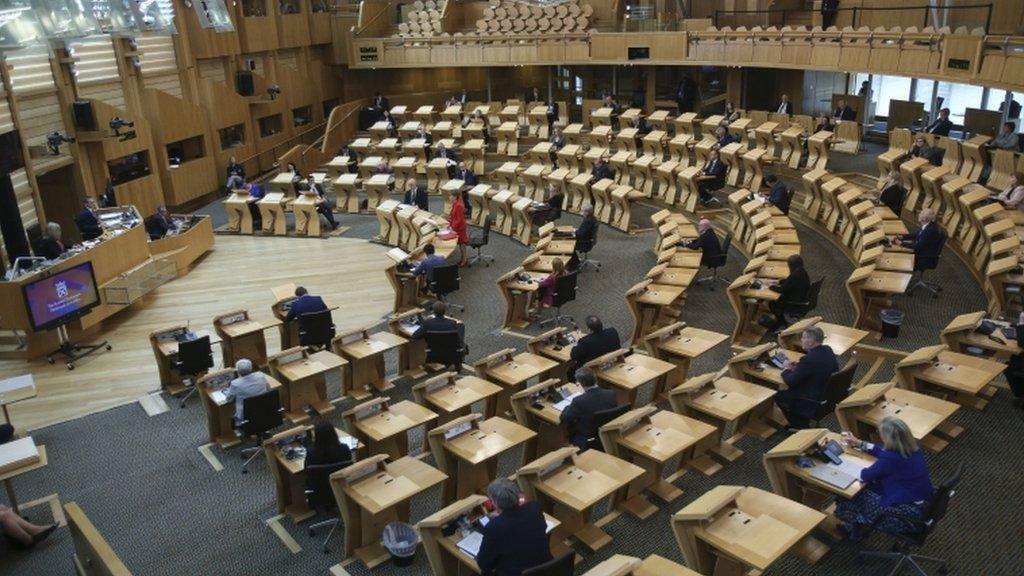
{"type": "Point", "coordinates": [272, 214]}
{"type": "Point", "coordinates": [927, 417]}
{"type": "Point", "coordinates": [437, 172]}
{"type": "Point", "coordinates": [570, 158]}
{"type": "Point", "coordinates": [517, 289]}
{"type": "Point", "coordinates": [347, 187]}
{"type": "Point", "coordinates": [241, 337]}
{"type": "Point", "coordinates": [817, 150]}
{"type": "Point", "coordinates": [389, 231]}
{"type": "Point", "coordinates": [538, 122]}
{"type": "Point", "coordinates": [304, 380]}
{"type": "Point", "coordinates": [237, 207]}
{"type": "Point", "coordinates": [473, 154]}
{"type": "Point", "coordinates": [307, 219]}
{"type": "Point", "coordinates": [404, 168]}
{"type": "Point", "coordinates": [384, 427]}
{"type": "Point", "coordinates": [365, 355]}
{"type": "Point", "coordinates": [375, 492]}
{"type": "Point", "coordinates": [508, 139]}
{"type": "Point", "coordinates": [479, 196]}
{"type": "Point", "coordinates": [377, 188]}
{"type": "Point", "coordinates": [220, 412]}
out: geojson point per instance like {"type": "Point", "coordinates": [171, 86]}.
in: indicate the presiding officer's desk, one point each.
{"type": "Point", "coordinates": [220, 411]}
{"type": "Point", "coordinates": [680, 344]}
{"type": "Point", "coordinates": [556, 344]}
{"type": "Point", "coordinates": [934, 370]}
{"type": "Point", "coordinates": [286, 458]}
{"type": "Point", "coordinates": [165, 349]}
{"type": "Point", "coordinates": [841, 339]}
{"type": "Point", "coordinates": [791, 480]}
{"type": "Point", "coordinates": [928, 417]}
{"type": "Point", "coordinates": [736, 529]}
{"type": "Point", "coordinates": [653, 565]}
{"type": "Point", "coordinates": [441, 536]}
{"type": "Point", "coordinates": [384, 427]}
{"type": "Point", "coordinates": [374, 492]}
{"type": "Point", "coordinates": [568, 485]}
{"type": "Point", "coordinates": [467, 450]}
{"type": "Point", "coordinates": [304, 376]}
{"type": "Point", "coordinates": [241, 337]}
{"type": "Point", "coordinates": [961, 335]}
{"type": "Point", "coordinates": [511, 371]}
{"type": "Point", "coordinates": [736, 407]}
{"type": "Point", "coordinates": [539, 408]}
{"type": "Point", "coordinates": [452, 396]}
{"type": "Point", "coordinates": [650, 438]}
{"type": "Point", "coordinates": [627, 373]}
{"type": "Point", "coordinates": [365, 355]}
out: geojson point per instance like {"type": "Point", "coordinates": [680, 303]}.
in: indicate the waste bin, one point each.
{"type": "Point", "coordinates": [401, 540]}
{"type": "Point", "coordinates": [891, 320]}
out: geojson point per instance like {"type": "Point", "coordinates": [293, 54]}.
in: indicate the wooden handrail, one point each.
{"type": "Point", "coordinates": [360, 30]}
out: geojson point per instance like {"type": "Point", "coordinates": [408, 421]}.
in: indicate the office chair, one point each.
{"type": "Point", "coordinates": [583, 247]}
{"type": "Point", "coordinates": [555, 202]}
{"type": "Point", "coordinates": [316, 329]}
{"type": "Point", "coordinates": [195, 357]}
{"type": "Point", "coordinates": [837, 388]}
{"type": "Point", "coordinates": [560, 566]}
{"type": "Point", "coordinates": [34, 233]}
{"type": "Point", "coordinates": [478, 242]}
{"type": "Point", "coordinates": [716, 262]}
{"type": "Point", "coordinates": [906, 541]}
{"type": "Point", "coordinates": [602, 417]}
{"type": "Point", "coordinates": [445, 348]}
{"type": "Point", "coordinates": [446, 280]}
{"type": "Point", "coordinates": [320, 496]}
{"type": "Point", "coordinates": [260, 415]}
{"type": "Point", "coordinates": [924, 263]}
{"type": "Point", "coordinates": [799, 310]}
{"type": "Point", "coordinates": [565, 292]}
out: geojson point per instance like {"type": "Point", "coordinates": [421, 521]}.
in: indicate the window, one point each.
{"type": "Point", "coordinates": [232, 136]}
{"type": "Point", "coordinates": [302, 115]}
{"type": "Point", "coordinates": [923, 93]}
{"type": "Point", "coordinates": [889, 88]}
{"type": "Point", "coordinates": [128, 168]}
{"type": "Point", "coordinates": [185, 150]}
{"type": "Point", "coordinates": [329, 106]}
{"type": "Point", "coordinates": [959, 97]}
{"type": "Point", "coordinates": [270, 125]}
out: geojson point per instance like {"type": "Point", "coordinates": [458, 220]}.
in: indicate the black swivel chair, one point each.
{"type": "Point", "coordinates": [798, 310]}
{"type": "Point", "coordinates": [35, 238]}
{"type": "Point", "coordinates": [260, 415]}
{"type": "Point", "coordinates": [195, 357]}
{"type": "Point", "coordinates": [924, 263]}
{"type": "Point", "coordinates": [716, 262]}
{"type": "Point", "coordinates": [560, 566]}
{"type": "Point", "coordinates": [583, 248]}
{"type": "Point", "coordinates": [320, 496]}
{"type": "Point", "coordinates": [602, 417]}
{"type": "Point", "coordinates": [446, 280]}
{"type": "Point", "coordinates": [565, 292]}
{"type": "Point", "coordinates": [918, 531]}
{"type": "Point", "coordinates": [477, 242]}
{"type": "Point", "coordinates": [316, 329]}
{"type": "Point", "coordinates": [836, 390]}
{"type": "Point", "coordinates": [445, 348]}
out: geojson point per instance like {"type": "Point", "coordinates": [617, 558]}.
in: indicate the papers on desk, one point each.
{"type": "Point", "coordinates": [470, 544]}
{"type": "Point", "coordinates": [219, 397]}
{"type": "Point", "coordinates": [18, 453]}
{"type": "Point", "coordinates": [349, 441]}
{"type": "Point", "coordinates": [563, 404]}
{"type": "Point", "coordinates": [548, 525]}
{"type": "Point", "coordinates": [398, 255]}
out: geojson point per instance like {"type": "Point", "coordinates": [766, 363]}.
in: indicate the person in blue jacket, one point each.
{"type": "Point", "coordinates": [897, 484]}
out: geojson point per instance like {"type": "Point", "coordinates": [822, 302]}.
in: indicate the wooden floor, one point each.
{"type": "Point", "coordinates": [238, 273]}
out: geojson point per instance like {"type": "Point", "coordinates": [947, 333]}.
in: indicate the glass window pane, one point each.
{"type": "Point", "coordinates": [959, 97]}
{"type": "Point", "coordinates": [890, 88]}
{"type": "Point", "coordinates": [923, 93]}
{"type": "Point", "coordinates": [995, 99]}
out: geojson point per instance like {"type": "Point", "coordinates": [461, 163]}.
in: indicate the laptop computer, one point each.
{"type": "Point", "coordinates": [832, 476]}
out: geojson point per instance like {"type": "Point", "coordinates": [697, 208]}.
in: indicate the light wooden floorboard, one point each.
{"type": "Point", "coordinates": [238, 273]}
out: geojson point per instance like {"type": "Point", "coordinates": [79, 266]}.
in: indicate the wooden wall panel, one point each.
{"type": "Point", "coordinates": [289, 58]}
{"type": "Point", "coordinates": [169, 83]}
{"type": "Point", "coordinates": [108, 92]}
{"type": "Point", "coordinates": [6, 121]}
{"type": "Point", "coordinates": [224, 108]}
{"type": "Point", "coordinates": [40, 115]}
{"type": "Point", "coordinates": [23, 192]}
{"type": "Point", "coordinates": [211, 69]}
{"type": "Point", "coordinates": [30, 70]}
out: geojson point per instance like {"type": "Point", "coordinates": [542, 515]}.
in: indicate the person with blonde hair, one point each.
{"type": "Point", "coordinates": [898, 488]}
{"type": "Point", "coordinates": [546, 287]}
{"type": "Point", "coordinates": [53, 243]}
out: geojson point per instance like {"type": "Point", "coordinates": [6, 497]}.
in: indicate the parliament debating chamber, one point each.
{"type": "Point", "coordinates": [512, 287]}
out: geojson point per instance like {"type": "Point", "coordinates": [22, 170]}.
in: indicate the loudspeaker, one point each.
{"type": "Point", "coordinates": [243, 83]}
{"type": "Point", "coordinates": [85, 117]}
{"type": "Point", "coordinates": [11, 226]}
{"type": "Point", "coordinates": [11, 156]}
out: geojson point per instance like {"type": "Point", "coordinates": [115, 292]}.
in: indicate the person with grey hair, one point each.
{"type": "Point", "coordinates": [578, 416]}
{"type": "Point", "coordinates": [247, 385]}
{"type": "Point", "coordinates": [898, 487]}
{"type": "Point", "coordinates": [52, 245]}
{"type": "Point", "coordinates": [585, 235]}
{"type": "Point", "coordinates": [805, 380]}
{"type": "Point", "coordinates": [515, 539]}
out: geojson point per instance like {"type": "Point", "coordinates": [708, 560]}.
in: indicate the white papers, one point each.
{"type": "Point", "coordinates": [470, 544]}
{"type": "Point", "coordinates": [563, 404]}
{"type": "Point", "coordinates": [548, 525]}
{"type": "Point", "coordinates": [219, 397]}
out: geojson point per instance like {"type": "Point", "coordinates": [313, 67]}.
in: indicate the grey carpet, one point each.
{"type": "Point", "coordinates": [165, 511]}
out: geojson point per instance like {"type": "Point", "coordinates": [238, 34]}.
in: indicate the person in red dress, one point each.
{"type": "Point", "coordinates": [457, 221]}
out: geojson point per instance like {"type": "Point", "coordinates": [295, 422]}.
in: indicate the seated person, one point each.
{"type": "Point", "coordinates": [235, 169]}
{"type": "Point", "coordinates": [53, 244]}
{"type": "Point", "coordinates": [466, 175]}
{"type": "Point", "coordinates": [325, 447]}
{"type": "Point", "coordinates": [552, 113]}
{"type": "Point", "coordinates": [1007, 138]}
{"type": "Point", "coordinates": [6, 433]}
{"type": "Point", "coordinates": [323, 206]}
{"type": "Point", "coordinates": [415, 195]}
{"type": "Point", "coordinates": [844, 112]}
{"type": "Point", "coordinates": [578, 416]}
{"type": "Point", "coordinates": [515, 539]}
{"type": "Point", "coordinates": [557, 140]}
{"type": "Point", "coordinates": [926, 241]}
{"type": "Point", "coordinates": [247, 385]}
{"type": "Point", "coordinates": [24, 535]}
{"type": "Point", "coordinates": [921, 149]}
{"type": "Point", "coordinates": [585, 234]}
{"type": "Point", "coordinates": [723, 137]}
{"type": "Point", "coordinates": [554, 198]}
{"type": "Point", "coordinates": [159, 224]}
{"type": "Point", "coordinates": [1013, 195]}
{"type": "Point", "coordinates": [609, 102]}
{"type": "Point", "coordinates": [792, 289]}
{"type": "Point", "coordinates": [304, 303]}
{"type": "Point", "coordinates": [382, 168]}
{"type": "Point", "coordinates": [1014, 370]}
{"type": "Point", "coordinates": [731, 114]}
{"type": "Point", "coordinates": [805, 380]}
{"type": "Point", "coordinates": [443, 152]}
{"type": "Point", "coordinates": [351, 158]}
{"type": "Point", "coordinates": [825, 124]}
{"type": "Point", "coordinates": [778, 194]}
{"type": "Point", "coordinates": [426, 266]}
{"type": "Point", "coordinates": [891, 192]}
{"type": "Point", "coordinates": [942, 125]}
{"type": "Point", "coordinates": [712, 178]}
{"type": "Point", "coordinates": [597, 342]}
{"type": "Point", "coordinates": [898, 489]}
{"type": "Point", "coordinates": [601, 171]}
{"type": "Point", "coordinates": [87, 220]}
{"type": "Point", "coordinates": [707, 242]}
{"type": "Point", "coordinates": [428, 138]}
{"type": "Point", "coordinates": [439, 323]}
{"type": "Point", "coordinates": [546, 287]}
{"type": "Point", "coordinates": [255, 190]}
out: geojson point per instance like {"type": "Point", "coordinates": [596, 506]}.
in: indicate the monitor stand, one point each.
{"type": "Point", "coordinates": [72, 351]}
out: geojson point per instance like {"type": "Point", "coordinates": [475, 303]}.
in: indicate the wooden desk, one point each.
{"type": "Point", "coordinates": [372, 493]}
{"type": "Point", "coordinates": [653, 565]}
{"type": "Point", "coordinates": [467, 450]}
{"type": "Point", "coordinates": [926, 416]}
{"type": "Point", "coordinates": [165, 350]}
{"type": "Point", "coordinates": [539, 408]}
{"type": "Point", "coordinates": [732, 529]}
{"type": "Point", "coordinates": [304, 377]}
{"type": "Point", "coordinates": [220, 412]}
{"type": "Point", "coordinates": [14, 390]}
{"type": "Point", "coordinates": [736, 407]}
{"type": "Point", "coordinates": [650, 438]}
{"type": "Point", "coordinates": [452, 396]}
{"type": "Point", "coordinates": [556, 344]}
{"type": "Point", "coordinates": [680, 344]}
{"type": "Point", "coordinates": [568, 485]}
{"type": "Point", "coordinates": [241, 337]}
{"type": "Point", "coordinates": [840, 338]}
{"type": "Point", "coordinates": [747, 301]}
{"type": "Point", "coordinates": [20, 465]}
{"type": "Point", "coordinates": [754, 364]}
{"type": "Point", "coordinates": [512, 371]}
{"type": "Point", "coordinates": [365, 355]}
{"type": "Point", "coordinates": [517, 294]}
{"type": "Point", "coordinates": [272, 214]}
{"type": "Point", "coordinates": [384, 427]}
{"type": "Point", "coordinates": [236, 205]}
{"type": "Point", "coordinates": [936, 371]}
{"type": "Point", "coordinates": [960, 334]}
{"type": "Point", "coordinates": [289, 472]}
{"type": "Point", "coordinates": [627, 372]}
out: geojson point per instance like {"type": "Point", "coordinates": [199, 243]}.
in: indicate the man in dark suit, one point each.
{"type": "Point", "coordinates": [469, 180]}
{"type": "Point", "coordinates": [533, 95]}
{"type": "Point", "coordinates": [585, 235]}
{"type": "Point", "coordinates": [942, 125]}
{"type": "Point", "coordinates": [351, 158]}
{"type": "Point", "coordinates": [844, 112]}
{"type": "Point", "coordinates": [598, 342]}
{"type": "Point", "coordinates": [88, 223]}
{"type": "Point", "coordinates": [443, 151]}
{"type": "Point", "coordinates": [515, 539]}
{"type": "Point", "coordinates": [723, 137]}
{"type": "Point", "coordinates": [463, 97]}
{"type": "Point", "coordinates": [806, 379]}
{"type": "Point", "coordinates": [578, 416]}
{"type": "Point", "coordinates": [829, 9]}
{"type": "Point", "coordinates": [439, 323]}
{"type": "Point", "coordinates": [415, 195]}
{"type": "Point", "coordinates": [792, 290]}
{"type": "Point", "coordinates": [712, 178]}
{"type": "Point", "coordinates": [601, 171]}
{"type": "Point", "coordinates": [926, 241]}
{"type": "Point", "coordinates": [552, 113]}
{"type": "Point", "coordinates": [609, 102]}
{"type": "Point", "coordinates": [778, 194]}
{"type": "Point", "coordinates": [785, 106]}
{"type": "Point", "coordinates": [159, 224]}
{"type": "Point", "coordinates": [381, 102]}
{"type": "Point", "coordinates": [686, 94]}
{"type": "Point", "coordinates": [238, 171]}
{"type": "Point", "coordinates": [304, 303]}
{"type": "Point", "coordinates": [323, 207]}
{"type": "Point", "coordinates": [707, 242]}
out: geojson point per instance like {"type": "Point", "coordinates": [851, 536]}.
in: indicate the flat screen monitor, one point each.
{"type": "Point", "coordinates": [61, 297]}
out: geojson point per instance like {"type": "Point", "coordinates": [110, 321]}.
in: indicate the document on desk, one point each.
{"type": "Point", "coordinates": [219, 397]}
{"type": "Point", "coordinates": [563, 404]}
{"type": "Point", "coordinates": [470, 544]}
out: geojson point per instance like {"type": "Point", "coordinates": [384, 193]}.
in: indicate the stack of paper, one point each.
{"type": "Point", "coordinates": [470, 544]}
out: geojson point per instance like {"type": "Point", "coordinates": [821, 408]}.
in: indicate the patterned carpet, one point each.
{"type": "Point", "coordinates": [165, 511]}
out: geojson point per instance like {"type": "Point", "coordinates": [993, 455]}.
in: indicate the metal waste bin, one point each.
{"type": "Point", "coordinates": [891, 321]}
{"type": "Point", "coordinates": [401, 540]}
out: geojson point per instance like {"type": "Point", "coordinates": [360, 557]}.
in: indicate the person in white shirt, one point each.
{"type": "Point", "coordinates": [1013, 195]}
{"type": "Point", "coordinates": [785, 106]}
{"type": "Point", "coordinates": [247, 385]}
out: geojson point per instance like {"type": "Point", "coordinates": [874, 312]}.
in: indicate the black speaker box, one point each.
{"type": "Point", "coordinates": [85, 117]}
{"type": "Point", "coordinates": [243, 83]}
{"type": "Point", "coordinates": [11, 156]}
